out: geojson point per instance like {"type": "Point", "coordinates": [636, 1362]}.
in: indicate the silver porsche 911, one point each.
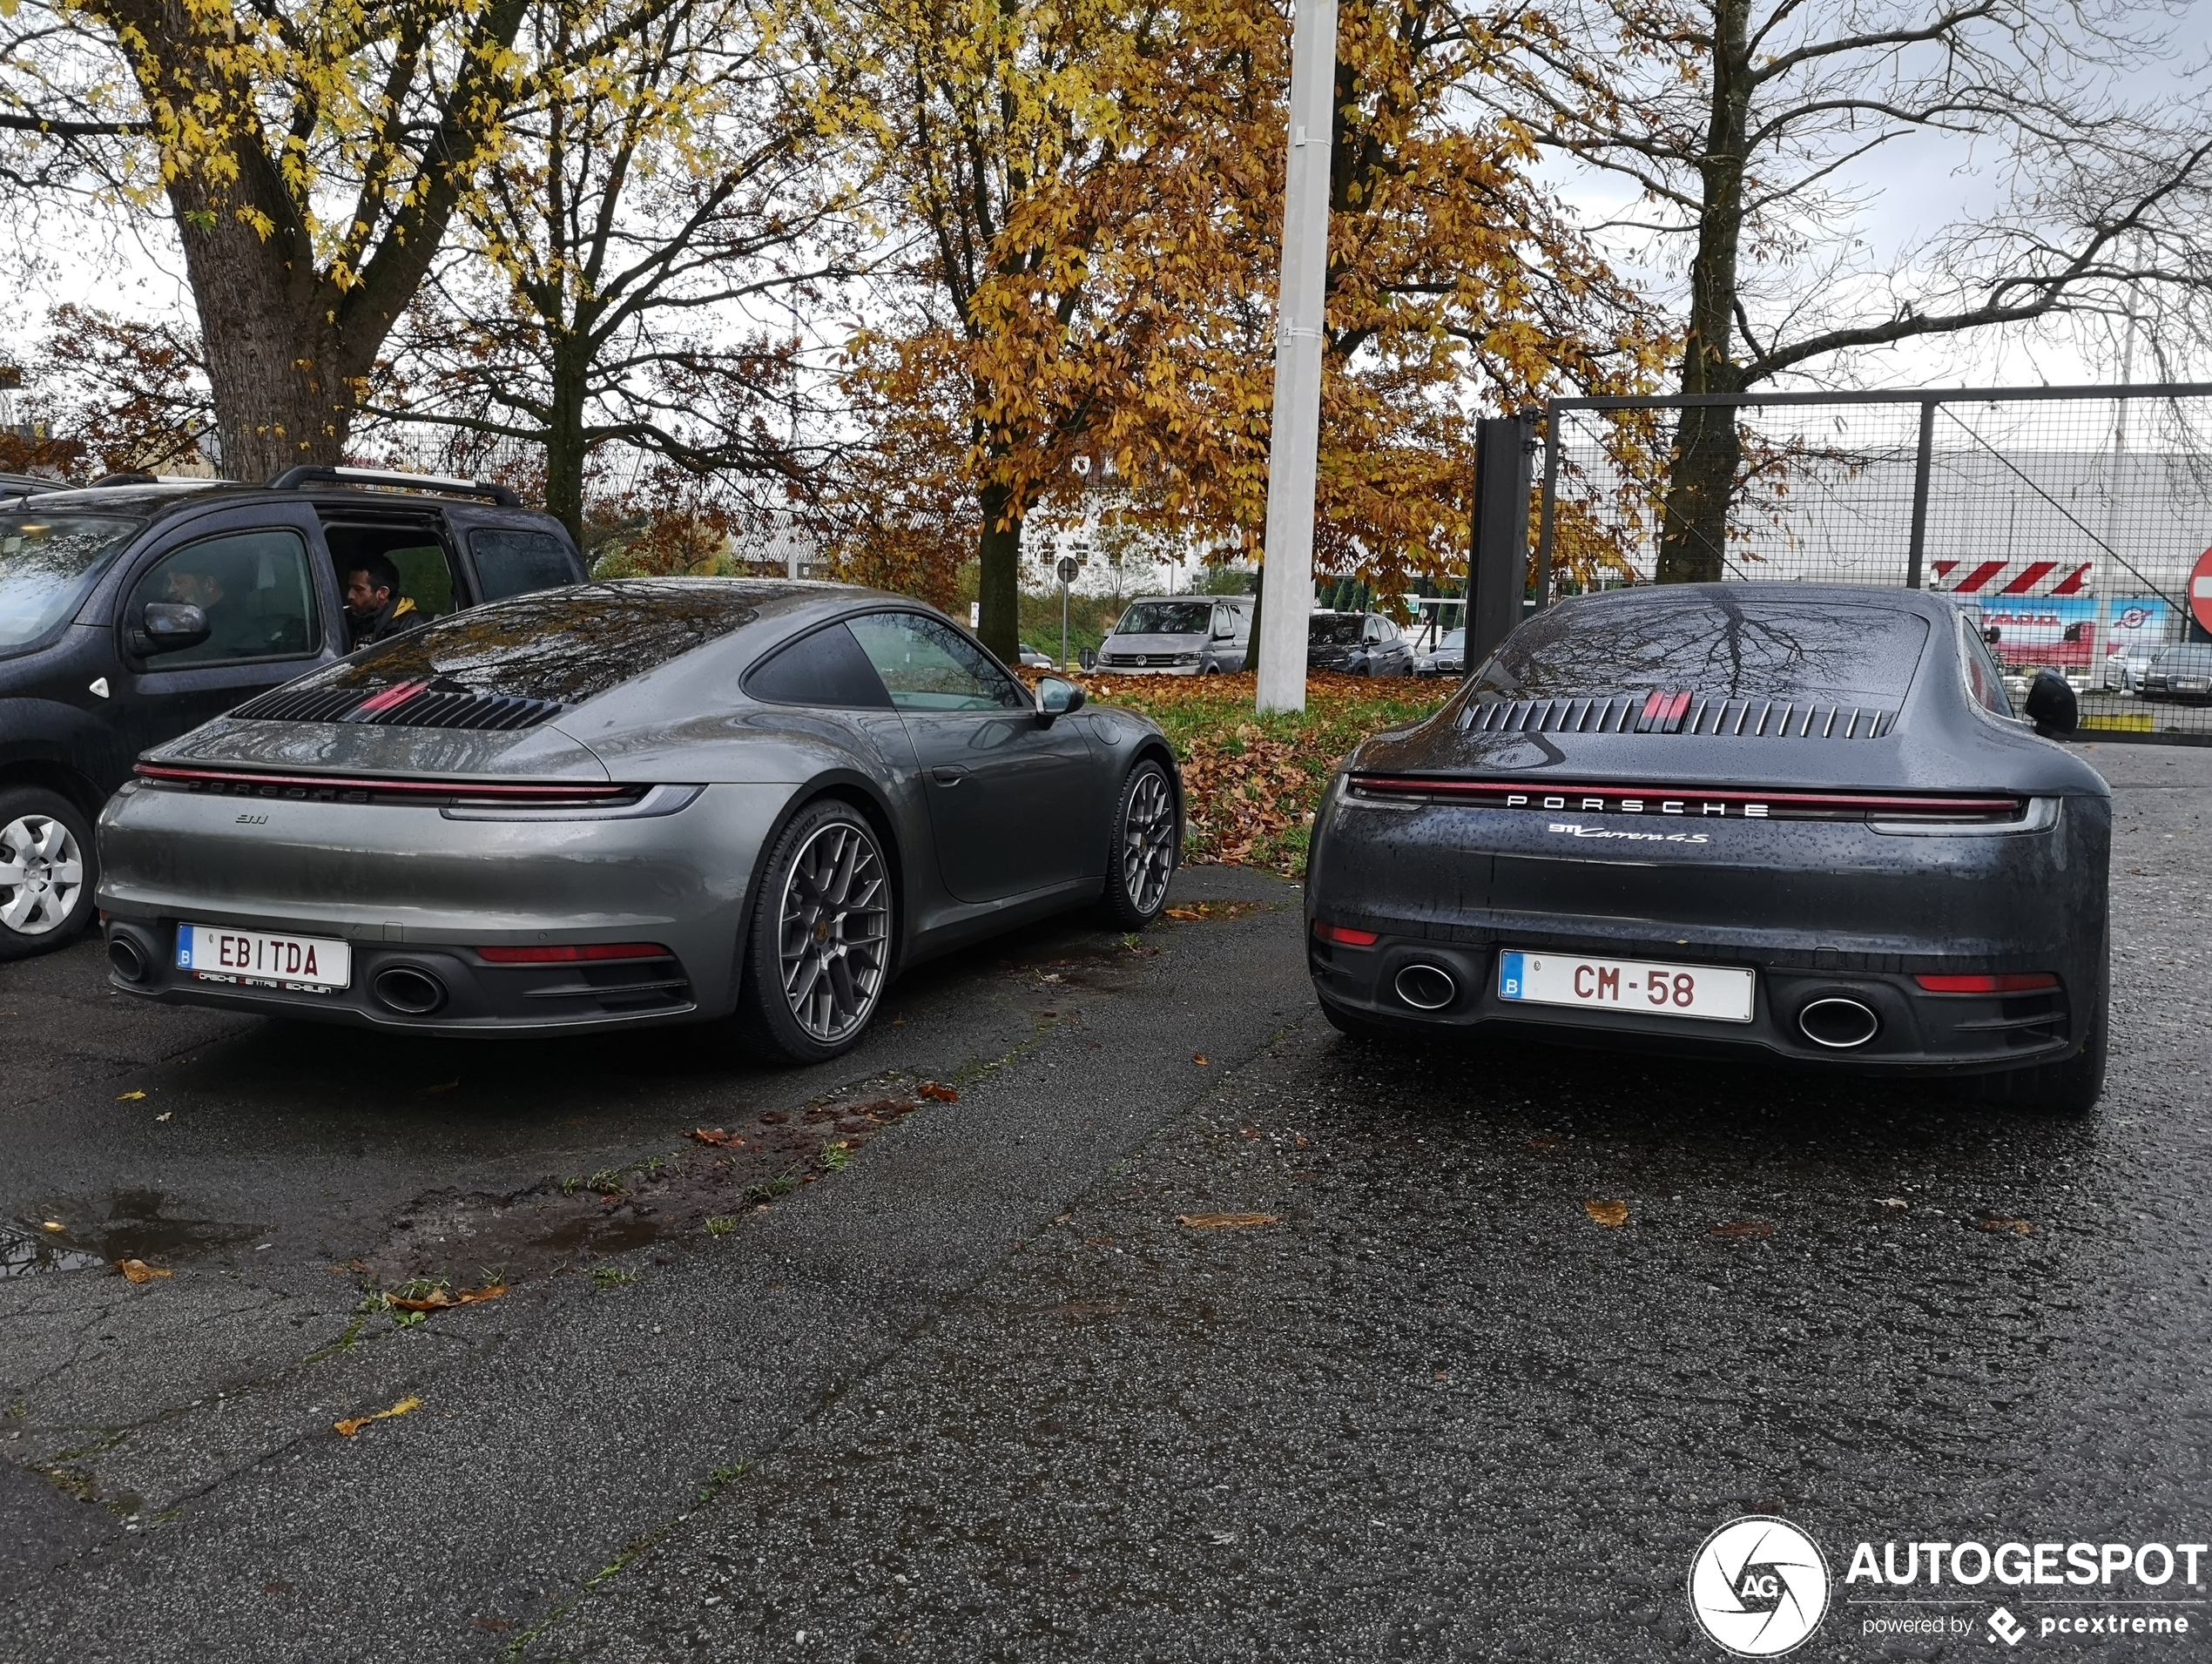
{"type": "Point", "coordinates": [629, 803]}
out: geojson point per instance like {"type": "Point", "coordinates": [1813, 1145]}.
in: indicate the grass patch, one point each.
{"type": "Point", "coordinates": [611, 1276]}
{"type": "Point", "coordinates": [1253, 782]}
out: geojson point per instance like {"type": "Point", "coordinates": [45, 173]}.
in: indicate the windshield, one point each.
{"type": "Point", "coordinates": [2195, 657]}
{"type": "Point", "coordinates": [47, 564]}
{"type": "Point", "coordinates": [1167, 618]}
{"type": "Point", "coordinates": [1334, 630]}
{"type": "Point", "coordinates": [561, 645]}
{"type": "Point", "coordinates": [1454, 642]}
{"type": "Point", "coordinates": [1720, 644]}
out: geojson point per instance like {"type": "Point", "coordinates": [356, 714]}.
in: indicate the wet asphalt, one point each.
{"type": "Point", "coordinates": [982, 1394]}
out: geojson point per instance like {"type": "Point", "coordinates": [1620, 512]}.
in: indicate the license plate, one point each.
{"type": "Point", "coordinates": [1713, 991]}
{"type": "Point", "coordinates": [259, 960]}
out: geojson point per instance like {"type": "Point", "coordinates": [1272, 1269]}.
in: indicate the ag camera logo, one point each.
{"type": "Point", "coordinates": [1759, 1587]}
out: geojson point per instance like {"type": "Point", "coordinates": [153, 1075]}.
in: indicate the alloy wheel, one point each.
{"type": "Point", "coordinates": [836, 932]}
{"type": "Point", "coordinates": [42, 873]}
{"type": "Point", "coordinates": [1148, 841]}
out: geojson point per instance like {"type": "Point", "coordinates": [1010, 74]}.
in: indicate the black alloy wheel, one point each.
{"type": "Point", "coordinates": [819, 951]}
{"type": "Point", "coordinates": [1145, 847]}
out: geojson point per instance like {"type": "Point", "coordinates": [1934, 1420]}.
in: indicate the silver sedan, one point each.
{"type": "Point", "coordinates": [629, 803]}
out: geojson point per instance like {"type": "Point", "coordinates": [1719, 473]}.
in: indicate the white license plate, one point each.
{"type": "Point", "coordinates": [259, 960]}
{"type": "Point", "coordinates": [1713, 991]}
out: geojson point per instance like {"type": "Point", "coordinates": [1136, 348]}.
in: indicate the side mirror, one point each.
{"type": "Point", "coordinates": [2052, 706]}
{"type": "Point", "coordinates": [1992, 635]}
{"type": "Point", "coordinates": [1056, 698]}
{"type": "Point", "coordinates": [168, 627]}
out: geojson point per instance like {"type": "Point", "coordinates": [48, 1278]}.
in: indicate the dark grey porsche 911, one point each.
{"type": "Point", "coordinates": [629, 803]}
{"type": "Point", "coordinates": [1745, 819]}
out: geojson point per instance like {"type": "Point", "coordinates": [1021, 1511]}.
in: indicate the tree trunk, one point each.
{"type": "Point", "coordinates": [1707, 447]}
{"type": "Point", "coordinates": [998, 586]}
{"type": "Point", "coordinates": [565, 453]}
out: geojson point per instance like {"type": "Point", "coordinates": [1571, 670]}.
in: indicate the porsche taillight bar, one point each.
{"type": "Point", "coordinates": [471, 790]}
{"type": "Point", "coordinates": [1613, 798]}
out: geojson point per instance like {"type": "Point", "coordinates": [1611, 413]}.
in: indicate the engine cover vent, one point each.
{"type": "Point", "coordinates": [417, 704]}
{"type": "Point", "coordinates": [1678, 713]}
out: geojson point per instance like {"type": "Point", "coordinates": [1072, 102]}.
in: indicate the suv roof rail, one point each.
{"type": "Point", "coordinates": [293, 479]}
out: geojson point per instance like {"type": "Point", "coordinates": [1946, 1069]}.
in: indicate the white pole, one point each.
{"type": "Point", "coordinates": [1288, 576]}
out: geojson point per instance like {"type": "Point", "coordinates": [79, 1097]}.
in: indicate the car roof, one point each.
{"type": "Point", "coordinates": [156, 501]}
{"type": "Point", "coordinates": [1929, 603]}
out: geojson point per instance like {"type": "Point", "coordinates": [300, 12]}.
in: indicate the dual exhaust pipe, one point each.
{"type": "Point", "coordinates": [410, 990]}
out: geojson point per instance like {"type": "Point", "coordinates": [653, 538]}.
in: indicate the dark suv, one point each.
{"type": "Point", "coordinates": [132, 612]}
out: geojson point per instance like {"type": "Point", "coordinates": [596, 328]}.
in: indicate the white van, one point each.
{"type": "Point", "coordinates": [1180, 634]}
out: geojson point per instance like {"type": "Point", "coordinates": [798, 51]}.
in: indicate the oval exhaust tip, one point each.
{"type": "Point", "coordinates": [1838, 1024]}
{"type": "Point", "coordinates": [1427, 988]}
{"type": "Point", "coordinates": [127, 958]}
{"type": "Point", "coordinates": [411, 992]}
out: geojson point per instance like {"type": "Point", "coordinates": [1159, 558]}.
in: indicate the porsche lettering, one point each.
{"type": "Point", "coordinates": [1622, 806]}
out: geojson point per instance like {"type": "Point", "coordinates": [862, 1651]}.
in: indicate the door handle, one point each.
{"type": "Point", "coordinates": [949, 775]}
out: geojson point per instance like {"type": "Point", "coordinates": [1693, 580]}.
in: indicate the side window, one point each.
{"type": "Point", "coordinates": [930, 666]}
{"type": "Point", "coordinates": [826, 668]}
{"type": "Point", "coordinates": [1225, 622]}
{"type": "Point", "coordinates": [516, 562]}
{"type": "Point", "coordinates": [255, 588]}
{"type": "Point", "coordinates": [1984, 680]}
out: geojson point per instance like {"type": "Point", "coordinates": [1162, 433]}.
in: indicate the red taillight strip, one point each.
{"type": "Point", "coordinates": [2001, 982]}
{"type": "Point", "coordinates": [1409, 786]}
{"type": "Point", "coordinates": [509, 790]}
{"type": "Point", "coordinates": [570, 953]}
{"type": "Point", "coordinates": [1345, 936]}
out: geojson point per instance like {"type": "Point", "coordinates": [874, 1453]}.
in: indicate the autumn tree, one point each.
{"type": "Point", "coordinates": [616, 279]}
{"type": "Point", "coordinates": [104, 395]}
{"type": "Point", "coordinates": [1740, 123]}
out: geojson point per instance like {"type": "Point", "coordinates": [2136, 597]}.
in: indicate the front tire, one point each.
{"type": "Point", "coordinates": [47, 871]}
{"type": "Point", "coordinates": [819, 950]}
{"type": "Point", "coordinates": [1144, 846]}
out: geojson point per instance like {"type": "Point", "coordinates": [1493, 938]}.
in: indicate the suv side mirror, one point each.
{"type": "Point", "coordinates": [168, 627]}
{"type": "Point", "coordinates": [2052, 706]}
{"type": "Point", "coordinates": [1056, 698]}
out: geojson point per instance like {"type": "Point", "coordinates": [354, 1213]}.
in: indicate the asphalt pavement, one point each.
{"type": "Point", "coordinates": [1188, 1330]}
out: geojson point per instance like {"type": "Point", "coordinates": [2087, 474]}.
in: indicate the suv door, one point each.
{"type": "Point", "coordinates": [1013, 804]}
{"type": "Point", "coordinates": [260, 577]}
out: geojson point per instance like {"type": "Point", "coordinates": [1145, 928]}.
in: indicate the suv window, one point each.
{"type": "Point", "coordinates": [930, 666]}
{"type": "Point", "coordinates": [826, 668]}
{"type": "Point", "coordinates": [1984, 679]}
{"type": "Point", "coordinates": [517, 563]}
{"type": "Point", "coordinates": [416, 552]}
{"type": "Point", "coordinates": [47, 564]}
{"type": "Point", "coordinates": [255, 588]}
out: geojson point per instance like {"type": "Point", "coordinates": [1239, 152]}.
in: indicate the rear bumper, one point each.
{"type": "Point", "coordinates": [411, 889]}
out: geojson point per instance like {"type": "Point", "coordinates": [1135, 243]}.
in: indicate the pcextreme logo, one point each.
{"type": "Point", "coordinates": [1759, 1587]}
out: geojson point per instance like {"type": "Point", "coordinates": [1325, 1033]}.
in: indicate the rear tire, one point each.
{"type": "Point", "coordinates": [1143, 847]}
{"type": "Point", "coordinates": [817, 953]}
{"type": "Point", "coordinates": [49, 872]}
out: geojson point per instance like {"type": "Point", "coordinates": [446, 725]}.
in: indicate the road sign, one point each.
{"type": "Point", "coordinates": [2201, 591]}
{"type": "Point", "coordinates": [1068, 567]}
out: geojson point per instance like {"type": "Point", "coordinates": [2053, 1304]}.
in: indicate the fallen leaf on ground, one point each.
{"type": "Point", "coordinates": [1744, 1228]}
{"type": "Point", "coordinates": [716, 1136]}
{"type": "Point", "coordinates": [937, 1093]}
{"type": "Point", "coordinates": [1199, 1058]}
{"type": "Point", "coordinates": [442, 1300]}
{"type": "Point", "coordinates": [164, 1114]}
{"type": "Point", "coordinates": [353, 1424]}
{"type": "Point", "coordinates": [1226, 1221]}
{"type": "Point", "coordinates": [1184, 913]}
{"type": "Point", "coordinates": [50, 1224]}
{"type": "Point", "coordinates": [1546, 1144]}
{"type": "Point", "coordinates": [433, 1091]}
{"type": "Point", "coordinates": [1607, 1213]}
{"type": "Point", "coordinates": [1895, 1204]}
{"type": "Point", "coordinates": [129, 1097]}
{"type": "Point", "coordinates": [2017, 1227]}
{"type": "Point", "coordinates": [140, 1271]}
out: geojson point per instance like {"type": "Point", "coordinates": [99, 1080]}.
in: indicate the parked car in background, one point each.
{"type": "Point", "coordinates": [1356, 644]}
{"type": "Point", "coordinates": [2180, 672]}
{"type": "Point", "coordinates": [1190, 634]}
{"type": "Point", "coordinates": [1032, 660]}
{"type": "Point", "coordinates": [1448, 659]}
{"type": "Point", "coordinates": [131, 614]}
{"type": "Point", "coordinates": [1755, 820]}
{"type": "Point", "coordinates": [647, 801]}
{"type": "Point", "coordinates": [14, 488]}
{"type": "Point", "coordinates": [2124, 667]}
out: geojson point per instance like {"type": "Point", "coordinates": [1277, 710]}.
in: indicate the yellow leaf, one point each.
{"type": "Point", "coordinates": [353, 1424]}
{"type": "Point", "coordinates": [129, 1097]}
{"type": "Point", "coordinates": [1226, 1221]}
{"type": "Point", "coordinates": [140, 1271]}
{"type": "Point", "coordinates": [1608, 1214]}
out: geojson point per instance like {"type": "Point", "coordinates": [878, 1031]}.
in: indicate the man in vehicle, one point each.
{"type": "Point", "coordinates": [374, 606]}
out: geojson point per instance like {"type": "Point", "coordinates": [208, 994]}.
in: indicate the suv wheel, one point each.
{"type": "Point", "coordinates": [47, 872]}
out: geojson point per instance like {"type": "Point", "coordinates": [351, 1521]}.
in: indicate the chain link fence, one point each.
{"type": "Point", "coordinates": [2079, 520]}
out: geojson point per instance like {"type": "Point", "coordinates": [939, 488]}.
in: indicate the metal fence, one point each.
{"type": "Point", "coordinates": [2075, 518]}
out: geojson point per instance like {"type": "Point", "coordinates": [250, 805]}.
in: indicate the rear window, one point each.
{"type": "Point", "coordinates": [516, 562]}
{"type": "Point", "coordinates": [1727, 646]}
{"type": "Point", "coordinates": [565, 646]}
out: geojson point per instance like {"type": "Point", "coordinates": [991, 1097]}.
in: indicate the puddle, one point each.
{"type": "Point", "coordinates": [24, 1253]}
{"type": "Point", "coordinates": [123, 1225]}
